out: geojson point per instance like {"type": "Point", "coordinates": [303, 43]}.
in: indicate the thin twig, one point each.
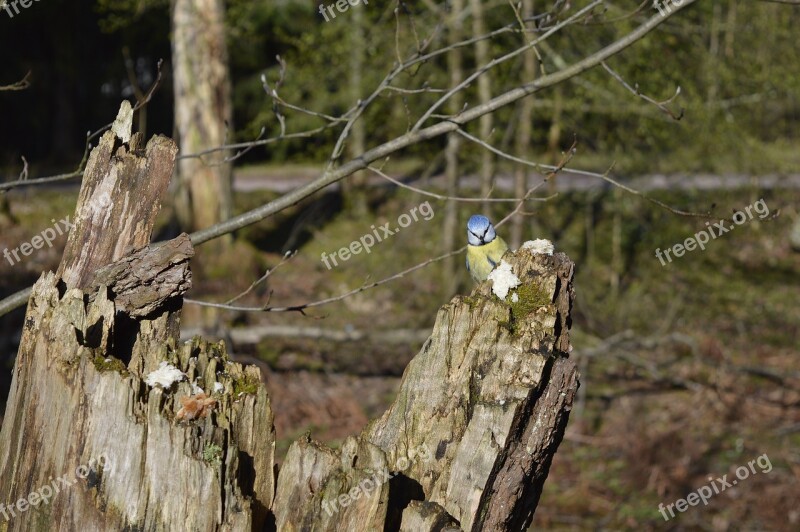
{"type": "Point", "coordinates": [87, 148]}
{"type": "Point", "coordinates": [453, 198]}
{"type": "Point", "coordinates": [289, 255]}
{"type": "Point", "coordinates": [301, 308]}
{"type": "Point", "coordinates": [635, 91]}
{"type": "Point", "coordinates": [603, 176]}
{"type": "Point", "coordinates": [20, 85]}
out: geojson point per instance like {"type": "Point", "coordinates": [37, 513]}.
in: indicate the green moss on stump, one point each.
{"type": "Point", "coordinates": [212, 454]}
{"type": "Point", "coordinates": [246, 384]}
{"type": "Point", "coordinates": [110, 364]}
{"type": "Point", "coordinates": [530, 298]}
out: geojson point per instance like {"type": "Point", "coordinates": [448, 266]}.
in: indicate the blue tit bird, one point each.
{"type": "Point", "coordinates": [485, 248]}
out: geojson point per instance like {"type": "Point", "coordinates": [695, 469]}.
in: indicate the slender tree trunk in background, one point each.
{"type": "Point", "coordinates": [730, 30]}
{"type": "Point", "coordinates": [616, 243]}
{"type": "Point", "coordinates": [451, 232]}
{"type": "Point", "coordinates": [355, 187]}
{"type": "Point", "coordinates": [5, 210]}
{"type": "Point", "coordinates": [712, 68]}
{"type": "Point", "coordinates": [554, 135]}
{"type": "Point", "coordinates": [203, 110]}
{"type": "Point", "coordinates": [484, 95]}
{"type": "Point", "coordinates": [523, 139]}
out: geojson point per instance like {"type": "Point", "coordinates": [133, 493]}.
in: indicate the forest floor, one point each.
{"type": "Point", "coordinates": [689, 369]}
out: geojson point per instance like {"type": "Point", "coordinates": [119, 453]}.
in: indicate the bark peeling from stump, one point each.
{"type": "Point", "coordinates": [92, 332]}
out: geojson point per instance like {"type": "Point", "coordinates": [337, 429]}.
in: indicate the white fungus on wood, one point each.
{"type": "Point", "coordinates": [540, 246]}
{"type": "Point", "coordinates": [165, 376]}
{"type": "Point", "coordinates": [503, 280]}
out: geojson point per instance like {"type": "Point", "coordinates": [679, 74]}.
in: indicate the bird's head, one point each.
{"type": "Point", "coordinates": [480, 230]}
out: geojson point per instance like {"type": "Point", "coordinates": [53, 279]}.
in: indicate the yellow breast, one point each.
{"type": "Point", "coordinates": [481, 260]}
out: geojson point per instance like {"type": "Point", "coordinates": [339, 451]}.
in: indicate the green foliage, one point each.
{"type": "Point", "coordinates": [118, 15]}
{"type": "Point", "coordinates": [738, 97]}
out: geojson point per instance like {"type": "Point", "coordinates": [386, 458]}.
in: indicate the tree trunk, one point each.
{"type": "Point", "coordinates": [355, 187]}
{"type": "Point", "coordinates": [480, 413]}
{"type": "Point", "coordinates": [202, 111]}
{"type": "Point", "coordinates": [79, 409]}
{"type": "Point", "coordinates": [484, 95]}
{"type": "Point", "coordinates": [450, 224]}
{"type": "Point", "coordinates": [523, 140]}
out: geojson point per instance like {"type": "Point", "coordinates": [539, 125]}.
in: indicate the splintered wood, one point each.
{"type": "Point", "coordinates": [466, 445]}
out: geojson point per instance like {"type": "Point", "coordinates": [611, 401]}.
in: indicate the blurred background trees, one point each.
{"type": "Point", "coordinates": [734, 61]}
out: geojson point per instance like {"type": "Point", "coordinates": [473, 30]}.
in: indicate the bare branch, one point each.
{"type": "Point", "coordinates": [603, 176]}
{"type": "Point", "coordinates": [301, 308]}
{"type": "Point", "coordinates": [452, 198]}
{"type": "Point", "coordinates": [406, 140]}
{"type": "Point", "coordinates": [635, 91]}
{"type": "Point", "coordinates": [20, 85]}
{"type": "Point", "coordinates": [289, 255]}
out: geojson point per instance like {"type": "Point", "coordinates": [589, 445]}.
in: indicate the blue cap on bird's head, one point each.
{"type": "Point", "coordinates": [480, 230]}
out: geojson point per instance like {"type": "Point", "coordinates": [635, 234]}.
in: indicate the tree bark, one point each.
{"type": "Point", "coordinates": [79, 407]}
{"type": "Point", "coordinates": [486, 122]}
{"type": "Point", "coordinates": [470, 437]}
{"type": "Point", "coordinates": [450, 225]}
{"type": "Point", "coordinates": [203, 111]}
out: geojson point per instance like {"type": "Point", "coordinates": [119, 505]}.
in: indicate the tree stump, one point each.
{"type": "Point", "coordinates": [469, 439]}
{"type": "Point", "coordinates": [79, 406]}
{"type": "Point", "coordinates": [112, 424]}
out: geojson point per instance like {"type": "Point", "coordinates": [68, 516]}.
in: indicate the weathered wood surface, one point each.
{"type": "Point", "coordinates": [480, 413]}
{"type": "Point", "coordinates": [78, 392]}
{"type": "Point", "coordinates": [119, 199]}
{"type": "Point", "coordinates": [466, 445]}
